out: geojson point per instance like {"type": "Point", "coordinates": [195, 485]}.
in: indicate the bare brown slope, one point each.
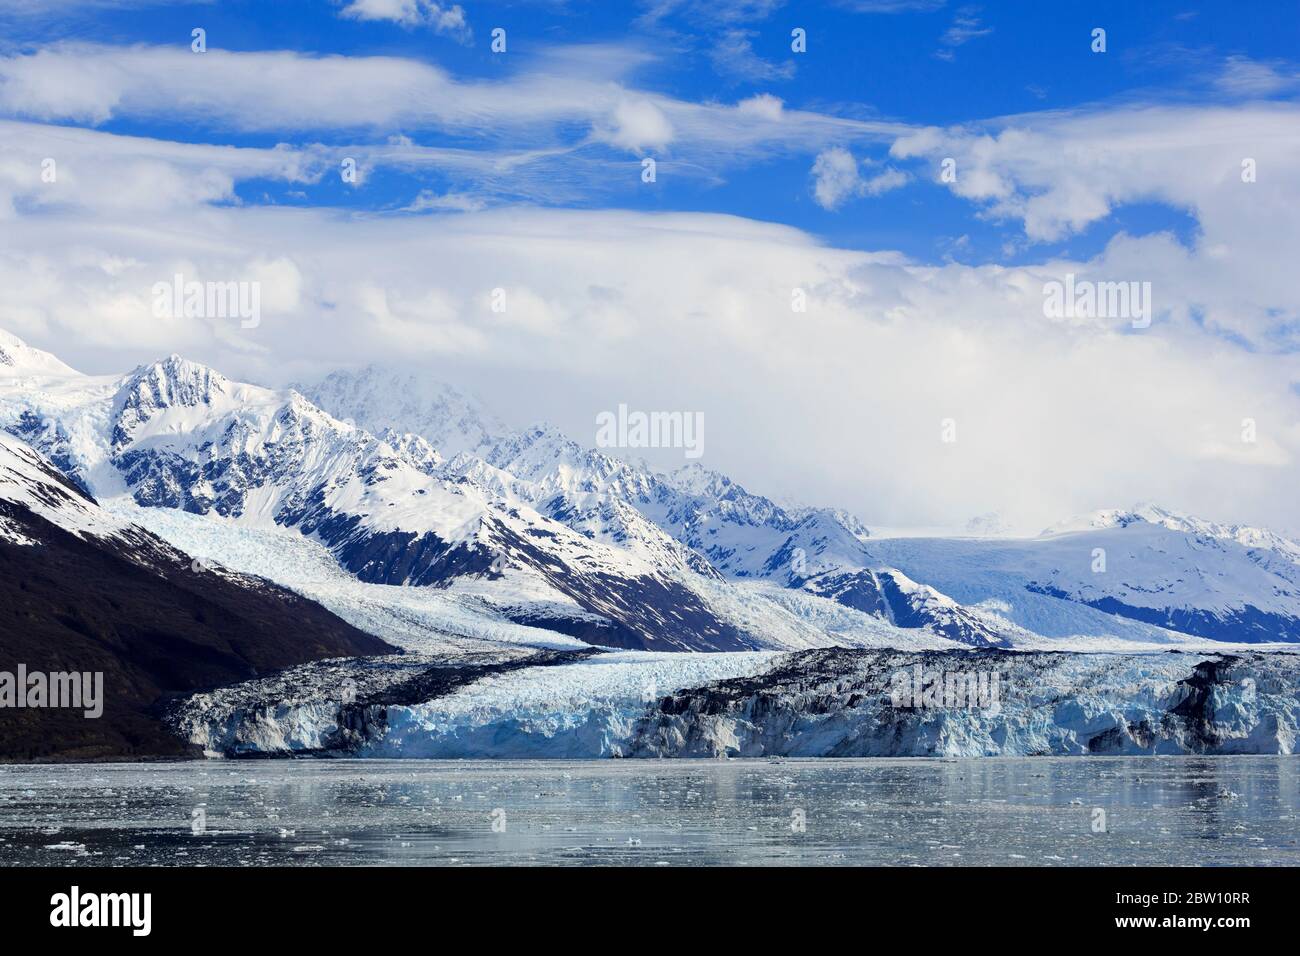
{"type": "Point", "coordinates": [136, 610]}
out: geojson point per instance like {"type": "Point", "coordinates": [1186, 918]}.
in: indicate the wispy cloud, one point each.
{"type": "Point", "coordinates": [733, 56]}
{"type": "Point", "coordinates": [709, 11]}
{"type": "Point", "coordinates": [93, 170]}
{"type": "Point", "coordinates": [1243, 76]}
{"type": "Point", "coordinates": [429, 201]}
{"type": "Point", "coordinates": [966, 26]}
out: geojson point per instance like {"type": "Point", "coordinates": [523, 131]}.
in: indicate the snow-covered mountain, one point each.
{"type": "Point", "coordinates": [406, 482]}
{"type": "Point", "coordinates": [903, 602]}
{"type": "Point", "coordinates": [20, 361]}
{"type": "Point", "coordinates": [911, 583]}
{"type": "Point", "coordinates": [693, 518]}
{"type": "Point", "coordinates": [497, 558]}
{"type": "Point", "coordinates": [1260, 539]}
{"type": "Point", "coordinates": [83, 590]}
{"type": "Point", "coordinates": [176, 434]}
{"type": "Point", "coordinates": [736, 533]}
{"type": "Point", "coordinates": [33, 490]}
{"type": "Point", "coordinates": [1123, 577]}
{"type": "Point", "coordinates": [1232, 584]}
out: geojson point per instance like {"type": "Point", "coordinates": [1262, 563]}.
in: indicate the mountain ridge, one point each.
{"type": "Point", "coordinates": [658, 556]}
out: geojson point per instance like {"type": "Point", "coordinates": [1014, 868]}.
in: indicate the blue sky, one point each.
{"type": "Point", "coordinates": [919, 63]}
{"type": "Point", "coordinates": [1168, 160]}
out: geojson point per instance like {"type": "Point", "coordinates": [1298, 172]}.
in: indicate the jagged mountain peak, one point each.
{"type": "Point", "coordinates": [168, 393]}
{"type": "Point", "coordinates": [175, 381]}
{"type": "Point", "coordinates": [1104, 518]}
{"type": "Point", "coordinates": [695, 479]}
{"type": "Point", "coordinates": [543, 453]}
{"type": "Point", "coordinates": [542, 436]}
{"type": "Point", "coordinates": [414, 449]}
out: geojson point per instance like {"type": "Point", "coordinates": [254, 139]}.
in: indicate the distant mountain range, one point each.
{"type": "Point", "coordinates": [406, 482]}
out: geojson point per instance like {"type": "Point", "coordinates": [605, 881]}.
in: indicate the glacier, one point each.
{"type": "Point", "coordinates": [827, 702]}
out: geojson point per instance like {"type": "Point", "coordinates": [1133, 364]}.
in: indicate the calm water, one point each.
{"type": "Point", "coordinates": [1225, 810]}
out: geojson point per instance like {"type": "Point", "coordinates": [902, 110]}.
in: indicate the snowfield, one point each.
{"type": "Point", "coordinates": [419, 620]}
{"type": "Point", "coordinates": [472, 611]}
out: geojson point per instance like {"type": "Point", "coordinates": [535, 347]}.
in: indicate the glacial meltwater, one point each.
{"type": "Point", "coordinates": [907, 812]}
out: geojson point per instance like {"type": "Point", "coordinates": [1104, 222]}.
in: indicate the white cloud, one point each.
{"type": "Point", "coordinates": [836, 179]}
{"type": "Point", "coordinates": [693, 311]}
{"type": "Point", "coordinates": [710, 12]}
{"type": "Point", "coordinates": [884, 181]}
{"type": "Point", "coordinates": [429, 201]}
{"type": "Point", "coordinates": [966, 26]}
{"type": "Point", "coordinates": [763, 105]}
{"type": "Point", "coordinates": [287, 92]}
{"type": "Point", "coordinates": [449, 19]}
{"type": "Point", "coordinates": [96, 169]}
{"type": "Point", "coordinates": [67, 168]}
{"type": "Point", "coordinates": [1058, 173]}
{"type": "Point", "coordinates": [637, 125]}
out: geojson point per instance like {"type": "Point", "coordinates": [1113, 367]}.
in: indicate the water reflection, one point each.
{"type": "Point", "coordinates": [1036, 811]}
